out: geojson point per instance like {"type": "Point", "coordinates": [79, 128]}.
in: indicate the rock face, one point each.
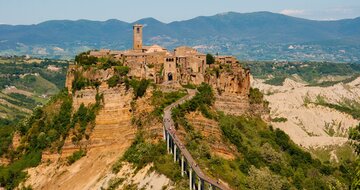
{"type": "Point", "coordinates": [212, 133]}
{"type": "Point", "coordinates": [309, 125]}
{"type": "Point", "coordinates": [111, 136]}
{"type": "Point", "coordinates": [145, 178]}
{"type": "Point", "coordinates": [232, 104]}
{"type": "Point", "coordinates": [229, 79]}
{"type": "Point", "coordinates": [231, 84]}
{"type": "Point", "coordinates": [91, 74]}
{"type": "Point", "coordinates": [117, 120]}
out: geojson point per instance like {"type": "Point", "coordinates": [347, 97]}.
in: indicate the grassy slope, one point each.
{"type": "Point", "coordinates": [37, 88]}
{"type": "Point", "coordinates": [145, 150]}
{"type": "Point", "coordinates": [265, 158]}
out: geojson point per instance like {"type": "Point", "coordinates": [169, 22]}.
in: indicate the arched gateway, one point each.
{"type": "Point", "coordinates": [170, 77]}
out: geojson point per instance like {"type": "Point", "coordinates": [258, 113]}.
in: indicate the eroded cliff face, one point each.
{"type": "Point", "coordinates": [107, 141]}
{"type": "Point", "coordinates": [117, 122]}
{"type": "Point", "coordinates": [231, 84]}
{"type": "Point", "coordinates": [213, 135]}
{"type": "Point", "coordinates": [92, 74]}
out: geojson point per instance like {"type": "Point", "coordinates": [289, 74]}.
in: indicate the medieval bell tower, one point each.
{"type": "Point", "coordinates": [137, 37]}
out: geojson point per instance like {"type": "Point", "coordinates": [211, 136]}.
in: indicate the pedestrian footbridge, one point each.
{"type": "Point", "coordinates": [189, 168]}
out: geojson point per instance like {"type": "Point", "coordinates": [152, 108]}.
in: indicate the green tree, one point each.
{"type": "Point", "coordinates": [210, 59]}
{"type": "Point", "coordinates": [354, 135]}
{"type": "Point", "coordinates": [122, 70]}
{"type": "Point", "coordinates": [85, 59]}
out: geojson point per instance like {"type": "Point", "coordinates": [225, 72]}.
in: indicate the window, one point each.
{"type": "Point", "coordinates": [138, 30]}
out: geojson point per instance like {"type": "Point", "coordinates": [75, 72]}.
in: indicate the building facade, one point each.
{"type": "Point", "coordinates": [183, 65]}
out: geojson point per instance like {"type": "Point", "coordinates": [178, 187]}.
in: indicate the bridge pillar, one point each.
{"type": "Point", "coordinates": [190, 178]}
{"type": "Point", "coordinates": [182, 166]}
{"type": "Point", "coordinates": [168, 142]}
{"type": "Point", "coordinates": [171, 145]}
{"type": "Point", "coordinates": [211, 187]}
{"type": "Point", "coordinates": [199, 184]}
{"type": "Point", "coordinates": [174, 152]}
{"type": "Point", "coordinates": [164, 132]}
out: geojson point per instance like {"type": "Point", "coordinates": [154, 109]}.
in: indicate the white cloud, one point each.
{"type": "Point", "coordinates": [292, 12]}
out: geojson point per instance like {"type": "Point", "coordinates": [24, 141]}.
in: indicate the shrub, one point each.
{"type": "Point", "coordinates": [113, 81]}
{"type": "Point", "coordinates": [276, 81]}
{"type": "Point", "coordinates": [279, 119]}
{"type": "Point", "coordinates": [139, 87]}
{"type": "Point", "coordinates": [122, 70]}
{"type": "Point", "coordinates": [161, 99]}
{"type": "Point", "coordinates": [189, 86]}
{"type": "Point", "coordinates": [13, 174]}
{"type": "Point", "coordinates": [203, 98]}
{"type": "Point", "coordinates": [76, 156]}
{"type": "Point", "coordinates": [85, 59]}
{"type": "Point", "coordinates": [210, 59]}
{"type": "Point", "coordinates": [255, 96]}
{"type": "Point", "coordinates": [115, 183]}
{"type": "Point", "coordinates": [81, 82]}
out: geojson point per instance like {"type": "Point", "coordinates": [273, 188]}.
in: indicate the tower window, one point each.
{"type": "Point", "coordinates": [138, 30]}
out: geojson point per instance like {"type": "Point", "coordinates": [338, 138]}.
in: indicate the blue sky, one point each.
{"type": "Point", "coordinates": [36, 11]}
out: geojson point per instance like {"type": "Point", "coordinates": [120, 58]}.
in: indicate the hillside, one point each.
{"type": "Point", "coordinates": [254, 36]}
{"type": "Point", "coordinates": [26, 83]}
{"type": "Point", "coordinates": [105, 130]}
{"type": "Point", "coordinates": [106, 133]}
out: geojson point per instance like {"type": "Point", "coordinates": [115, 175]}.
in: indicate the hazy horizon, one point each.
{"type": "Point", "coordinates": [25, 12]}
{"type": "Point", "coordinates": [176, 20]}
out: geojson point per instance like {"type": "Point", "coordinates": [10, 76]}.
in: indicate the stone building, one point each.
{"type": "Point", "coordinates": [183, 65]}
{"type": "Point", "coordinates": [137, 37]}
{"type": "Point", "coordinates": [226, 59]}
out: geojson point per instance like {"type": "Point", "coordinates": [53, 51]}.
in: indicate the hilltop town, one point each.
{"type": "Point", "coordinates": [127, 91]}
{"type": "Point", "coordinates": [153, 118]}
{"type": "Point", "coordinates": [184, 65]}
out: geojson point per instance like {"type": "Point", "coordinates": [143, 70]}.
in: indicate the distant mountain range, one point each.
{"type": "Point", "coordinates": [259, 35]}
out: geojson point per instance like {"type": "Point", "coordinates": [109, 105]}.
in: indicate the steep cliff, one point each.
{"type": "Point", "coordinates": [231, 84]}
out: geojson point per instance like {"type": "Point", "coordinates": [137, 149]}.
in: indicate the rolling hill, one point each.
{"type": "Point", "coordinates": [228, 32]}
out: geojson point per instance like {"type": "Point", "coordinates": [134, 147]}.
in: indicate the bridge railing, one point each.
{"type": "Point", "coordinates": [174, 144]}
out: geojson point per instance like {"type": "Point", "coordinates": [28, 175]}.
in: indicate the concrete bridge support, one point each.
{"type": "Point", "coordinates": [168, 142]}
{"type": "Point", "coordinates": [174, 152]}
{"type": "Point", "coordinates": [164, 133]}
{"type": "Point", "coordinates": [190, 179]}
{"type": "Point", "coordinates": [200, 184]}
{"type": "Point", "coordinates": [211, 187]}
{"type": "Point", "coordinates": [182, 166]}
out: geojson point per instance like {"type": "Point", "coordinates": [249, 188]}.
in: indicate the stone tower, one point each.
{"type": "Point", "coordinates": [137, 38]}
